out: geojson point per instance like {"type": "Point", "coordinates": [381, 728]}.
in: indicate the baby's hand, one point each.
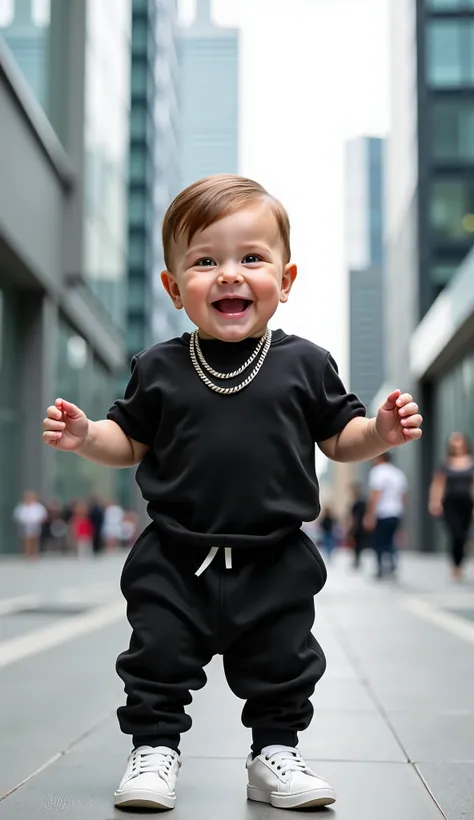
{"type": "Point", "coordinates": [65, 426]}
{"type": "Point", "coordinates": [398, 420]}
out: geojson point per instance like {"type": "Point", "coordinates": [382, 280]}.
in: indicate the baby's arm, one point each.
{"type": "Point", "coordinates": [397, 422]}
{"type": "Point", "coordinates": [67, 428]}
{"type": "Point", "coordinates": [107, 444]}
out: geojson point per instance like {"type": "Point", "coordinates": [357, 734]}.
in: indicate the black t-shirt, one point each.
{"type": "Point", "coordinates": [233, 470]}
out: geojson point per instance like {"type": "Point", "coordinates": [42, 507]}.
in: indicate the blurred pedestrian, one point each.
{"type": "Point", "coordinates": [129, 528]}
{"type": "Point", "coordinates": [357, 533]}
{"type": "Point", "coordinates": [96, 517]}
{"type": "Point", "coordinates": [112, 525]}
{"type": "Point", "coordinates": [29, 516]}
{"type": "Point", "coordinates": [54, 529]}
{"type": "Point", "coordinates": [82, 530]}
{"type": "Point", "coordinates": [388, 489]}
{"type": "Point", "coordinates": [452, 497]}
{"type": "Point", "coordinates": [327, 525]}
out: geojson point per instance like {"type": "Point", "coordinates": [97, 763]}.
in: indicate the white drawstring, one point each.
{"type": "Point", "coordinates": [210, 557]}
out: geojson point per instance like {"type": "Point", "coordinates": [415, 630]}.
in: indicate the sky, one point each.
{"type": "Point", "coordinates": [313, 74]}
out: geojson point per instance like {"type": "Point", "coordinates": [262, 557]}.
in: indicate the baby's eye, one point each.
{"type": "Point", "coordinates": [205, 262]}
{"type": "Point", "coordinates": [251, 258]}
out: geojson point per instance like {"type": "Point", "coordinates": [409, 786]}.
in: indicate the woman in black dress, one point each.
{"type": "Point", "coordinates": [452, 496]}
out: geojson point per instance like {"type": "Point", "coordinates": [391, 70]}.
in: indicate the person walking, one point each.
{"type": "Point", "coordinates": [388, 490]}
{"type": "Point", "coordinates": [452, 497]}
{"type": "Point", "coordinates": [82, 530]}
{"type": "Point", "coordinates": [96, 516]}
{"type": "Point", "coordinates": [357, 533]}
{"type": "Point", "coordinates": [327, 525]}
{"type": "Point", "coordinates": [30, 515]}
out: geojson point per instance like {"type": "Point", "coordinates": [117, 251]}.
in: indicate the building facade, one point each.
{"type": "Point", "coordinates": [63, 238]}
{"type": "Point", "coordinates": [154, 175]}
{"type": "Point", "coordinates": [209, 98]}
{"type": "Point", "coordinates": [430, 207]}
{"type": "Point", "coordinates": [364, 217]}
{"type": "Point", "coordinates": [153, 182]}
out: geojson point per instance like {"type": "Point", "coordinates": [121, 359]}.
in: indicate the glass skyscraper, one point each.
{"type": "Point", "coordinates": [364, 216]}
{"type": "Point", "coordinates": [209, 98]}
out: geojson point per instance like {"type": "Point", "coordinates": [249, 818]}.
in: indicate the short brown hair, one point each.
{"type": "Point", "coordinates": [212, 198]}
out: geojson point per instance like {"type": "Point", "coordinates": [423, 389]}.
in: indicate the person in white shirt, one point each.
{"type": "Point", "coordinates": [29, 515]}
{"type": "Point", "coordinates": [388, 489]}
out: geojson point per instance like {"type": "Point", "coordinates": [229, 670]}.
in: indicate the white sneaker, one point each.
{"type": "Point", "coordinates": [150, 779]}
{"type": "Point", "coordinates": [280, 776]}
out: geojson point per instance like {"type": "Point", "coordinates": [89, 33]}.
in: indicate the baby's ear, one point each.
{"type": "Point", "coordinates": [290, 273]}
{"type": "Point", "coordinates": [172, 288]}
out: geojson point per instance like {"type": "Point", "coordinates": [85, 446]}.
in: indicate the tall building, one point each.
{"type": "Point", "coordinates": [430, 229]}
{"type": "Point", "coordinates": [63, 238]}
{"type": "Point", "coordinates": [28, 41]}
{"type": "Point", "coordinates": [364, 159]}
{"type": "Point", "coordinates": [154, 177]}
{"type": "Point", "coordinates": [209, 98]}
{"type": "Point", "coordinates": [153, 182]}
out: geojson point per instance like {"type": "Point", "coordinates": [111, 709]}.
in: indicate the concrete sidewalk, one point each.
{"type": "Point", "coordinates": [394, 715]}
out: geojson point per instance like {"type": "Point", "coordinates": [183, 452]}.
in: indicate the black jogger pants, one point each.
{"type": "Point", "coordinates": [258, 615]}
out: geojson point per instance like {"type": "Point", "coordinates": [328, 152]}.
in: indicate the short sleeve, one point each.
{"type": "Point", "coordinates": [132, 413]}
{"type": "Point", "coordinates": [336, 407]}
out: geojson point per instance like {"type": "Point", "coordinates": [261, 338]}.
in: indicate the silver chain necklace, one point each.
{"type": "Point", "coordinates": [194, 348]}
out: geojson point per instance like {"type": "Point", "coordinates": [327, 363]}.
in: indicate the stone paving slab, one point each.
{"type": "Point", "coordinates": [51, 699]}
{"type": "Point", "coordinates": [452, 785]}
{"type": "Point", "coordinates": [336, 734]}
{"type": "Point", "coordinates": [80, 787]}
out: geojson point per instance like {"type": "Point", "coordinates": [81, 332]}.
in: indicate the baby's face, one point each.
{"type": "Point", "coordinates": [231, 277]}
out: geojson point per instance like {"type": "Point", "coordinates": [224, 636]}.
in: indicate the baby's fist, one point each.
{"type": "Point", "coordinates": [65, 426]}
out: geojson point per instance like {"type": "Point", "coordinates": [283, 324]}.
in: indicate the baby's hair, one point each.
{"type": "Point", "coordinates": [212, 198]}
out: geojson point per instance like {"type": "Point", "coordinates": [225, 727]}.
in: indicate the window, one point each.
{"type": "Point", "coordinates": [1, 327]}
{"type": "Point", "coordinates": [450, 5]}
{"type": "Point", "coordinates": [135, 335]}
{"type": "Point", "coordinates": [139, 35]}
{"type": "Point", "coordinates": [137, 295]}
{"type": "Point", "coordinates": [139, 77]}
{"type": "Point", "coordinates": [136, 251]}
{"type": "Point", "coordinates": [450, 53]}
{"type": "Point", "coordinates": [137, 164]}
{"type": "Point", "coordinates": [444, 58]}
{"type": "Point", "coordinates": [453, 130]}
{"type": "Point", "coordinates": [137, 207]}
{"type": "Point", "coordinates": [446, 5]}
{"type": "Point", "coordinates": [138, 121]}
{"type": "Point", "coordinates": [452, 208]}
{"type": "Point", "coordinates": [442, 273]}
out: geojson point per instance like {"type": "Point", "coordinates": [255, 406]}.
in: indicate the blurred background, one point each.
{"type": "Point", "coordinates": [357, 114]}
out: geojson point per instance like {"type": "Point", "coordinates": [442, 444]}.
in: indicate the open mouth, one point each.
{"type": "Point", "coordinates": [232, 306]}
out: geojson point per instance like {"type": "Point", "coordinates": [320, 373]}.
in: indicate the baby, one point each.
{"type": "Point", "coordinates": [223, 423]}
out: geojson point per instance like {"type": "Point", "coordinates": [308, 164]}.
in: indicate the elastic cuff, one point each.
{"type": "Point", "coordinates": [171, 742]}
{"type": "Point", "coordinates": [272, 737]}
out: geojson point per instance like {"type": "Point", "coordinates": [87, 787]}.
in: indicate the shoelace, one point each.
{"type": "Point", "coordinates": [146, 761]}
{"type": "Point", "coordinates": [287, 761]}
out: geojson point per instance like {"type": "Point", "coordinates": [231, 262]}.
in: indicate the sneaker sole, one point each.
{"type": "Point", "coordinates": [141, 799]}
{"type": "Point", "coordinates": [319, 797]}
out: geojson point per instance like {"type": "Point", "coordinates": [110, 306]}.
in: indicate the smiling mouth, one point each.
{"type": "Point", "coordinates": [232, 307]}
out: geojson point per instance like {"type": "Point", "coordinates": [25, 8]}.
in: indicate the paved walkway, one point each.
{"type": "Point", "coordinates": [394, 714]}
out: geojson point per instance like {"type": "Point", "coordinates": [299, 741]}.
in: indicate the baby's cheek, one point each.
{"type": "Point", "coordinates": [268, 288]}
